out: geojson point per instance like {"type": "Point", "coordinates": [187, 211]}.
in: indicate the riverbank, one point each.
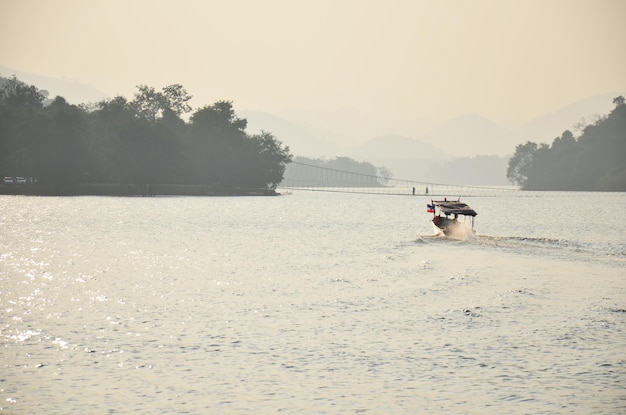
{"type": "Point", "coordinates": [116, 189]}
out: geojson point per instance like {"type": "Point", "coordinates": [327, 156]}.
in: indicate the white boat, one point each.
{"type": "Point", "coordinates": [450, 218]}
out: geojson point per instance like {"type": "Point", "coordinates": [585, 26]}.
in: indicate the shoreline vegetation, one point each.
{"type": "Point", "coordinates": [129, 190]}
{"type": "Point", "coordinates": [153, 144]}
{"type": "Point", "coordinates": [123, 147]}
{"type": "Point", "coordinates": [594, 161]}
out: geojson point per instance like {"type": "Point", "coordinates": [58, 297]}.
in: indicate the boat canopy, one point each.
{"type": "Point", "coordinates": [449, 207]}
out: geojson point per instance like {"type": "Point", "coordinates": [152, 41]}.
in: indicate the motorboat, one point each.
{"type": "Point", "coordinates": [452, 218]}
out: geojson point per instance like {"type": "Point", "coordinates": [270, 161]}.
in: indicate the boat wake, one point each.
{"type": "Point", "coordinates": [532, 246]}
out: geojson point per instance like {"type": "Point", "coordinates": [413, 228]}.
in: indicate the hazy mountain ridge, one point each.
{"type": "Point", "coordinates": [396, 146]}
{"type": "Point", "coordinates": [471, 134]}
{"type": "Point", "coordinates": [545, 128]}
{"type": "Point", "coordinates": [464, 136]}
{"type": "Point", "coordinates": [317, 133]}
{"type": "Point", "coordinates": [412, 149]}
{"type": "Point", "coordinates": [352, 127]}
{"type": "Point", "coordinates": [300, 140]}
{"type": "Point", "coordinates": [468, 149]}
{"type": "Point", "coordinates": [73, 91]}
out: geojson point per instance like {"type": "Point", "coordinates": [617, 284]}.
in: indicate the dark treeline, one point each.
{"type": "Point", "coordinates": [143, 142]}
{"type": "Point", "coordinates": [595, 161]}
{"type": "Point", "coordinates": [334, 173]}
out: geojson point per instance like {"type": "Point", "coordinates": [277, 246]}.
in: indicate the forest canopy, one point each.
{"type": "Point", "coordinates": [595, 161]}
{"type": "Point", "coordinates": [141, 141]}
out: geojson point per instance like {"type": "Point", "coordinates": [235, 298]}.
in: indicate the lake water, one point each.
{"type": "Point", "coordinates": [313, 303]}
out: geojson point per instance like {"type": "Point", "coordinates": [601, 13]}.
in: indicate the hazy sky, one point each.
{"type": "Point", "coordinates": [508, 60]}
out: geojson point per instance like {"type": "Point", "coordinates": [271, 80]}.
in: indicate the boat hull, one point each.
{"type": "Point", "coordinates": [438, 231]}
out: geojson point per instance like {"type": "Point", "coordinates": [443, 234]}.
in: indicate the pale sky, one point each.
{"type": "Point", "coordinates": [507, 60]}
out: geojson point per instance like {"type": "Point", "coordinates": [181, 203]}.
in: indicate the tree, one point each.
{"type": "Point", "coordinates": [176, 99]}
{"type": "Point", "coordinates": [594, 161]}
{"type": "Point", "coordinates": [619, 101]}
{"type": "Point", "coordinates": [143, 141]}
{"type": "Point", "coordinates": [521, 164]}
{"type": "Point", "coordinates": [152, 104]}
{"type": "Point", "coordinates": [272, 159]}
{"type": "Point", "coordinates": [221, 120]}
{"type": "Point", "coordinates": [15, 93]}
{"type": "Point", "coordinates": [565, 140]}
{"type": "Point", "coordinates": [60, 148]}
{"type": "Point", "coordinates": [20, 108]}
{"type": "Point", "coordinates": [214, 138]}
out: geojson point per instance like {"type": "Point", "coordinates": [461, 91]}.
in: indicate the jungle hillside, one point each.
{"type": "Point", "coordinates": [594, 161]}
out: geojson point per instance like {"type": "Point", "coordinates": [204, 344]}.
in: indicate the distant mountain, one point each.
{"type": "Point", "coordinates": [300, 140]}
{"type": "Point", "coordinates": [357, 134]}
{"type": "Point", "coordinates": [464, 136]}
{"type": "Point", "coordinates": [74, 92]}
{"type": "Point", "coordinates": [410, 159]}
{"type": "Point", "coordinates": [405, 157]}
{"type": "Point", "coordinates": [395, 146]}
{"type": "Point", "coordinates": [471, 135]}
{"type": "Point", "coordinates": [351, 127]}
{"type": "Point", "coordinates": [545, 128]}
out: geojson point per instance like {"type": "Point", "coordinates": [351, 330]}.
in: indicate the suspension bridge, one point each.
{"type": "Point", "coordinates": [309, 177]}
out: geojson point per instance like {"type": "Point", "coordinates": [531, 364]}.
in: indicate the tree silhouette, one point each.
{"type": "Point", "coordinates": [594, 161]}
{"type": "Point", "coordinates": [144, 141]}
